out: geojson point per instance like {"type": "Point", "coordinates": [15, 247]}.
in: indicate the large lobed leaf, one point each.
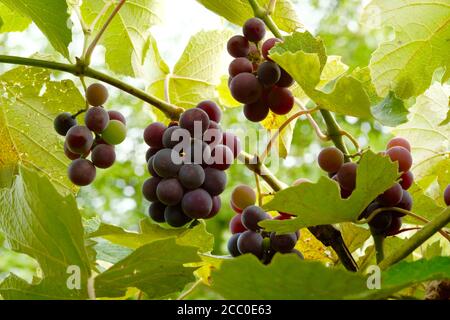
{"type": "Point", "coordinates": [288, 278]}
{"type": "Point", "coordinates": [320, 203]}
{"type": "Point", "coordinates": [29, 102]}
{"type": "Point", "coordinates": [156, 268]}
{"type": "Point", "coordinates": [127, 39]}
{"type": "Point", "coordinates": [238, 11]}
{"type": "Point", "coordinates": [12, 20]}
{"type": "Point", "coordinates": [406, 63]}
{"type": "Point", "coordinates": [51, 17]}
{"type": "Point", "coordinates": [36, 220]}
{"type": "Point", "coordinates": [304, 57]}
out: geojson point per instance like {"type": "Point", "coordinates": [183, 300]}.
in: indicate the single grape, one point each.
{"type": "Point", "coordinates": [215, 181]}
{"type": "Point", "coordinates": [298, 253]}
{"type": "Point", "coordinates": [169, 191]}
{"type": "Point", "coordinates": [173, 136]}
{"type": "Point", "coordinates": [252, 215]}
{"type": "Point", "coordinates": [156, 212]}
{"type": "Point", "coordinates": [402, 156]}
{"type": "Point", "coordinates": [250, 242]}
{"type": "Point", "coordinates": [212, 109]}
{"type": "Point", "coordinates": [103, 156]}
{"type": "Point", "coordinates": [391, 196]}
{"type": "Point", "coordinates": [399, 142]}
{"type": "Point", "coordinates": [257, 111]}
{"type": "Point", "coordinates": [69, 154]}
{"type": "Point", "coordinates": [196, 121]}
{"type": "Point", "coordinates": [232, 141]}
{"type": "Point", "coordinates": [406, 180]}
{"type": "Point", "coordinates": [254, 29]}
{"type": "Point", "coordinates": [81, 172]}
{"type": "Point", "coordinates": [405, 203]}
{"type": "Point", "coordinates": [331, 159]}
{"type": "Point", "coordinates": [96, 94]}
{"type": "Point", "coordinates": [447, 195]}
{"type": "Point", "coordinates": [269, 73]}
{"type": "Point", "coordinates": [236, 225]}
{"type": "Point", "coordinates": [116, 115]}
{"type": "Point", "coordinates": [63, 122]}
{"type": "Point", "coordinates": [197, 204]}
{"type": "Point", "coordinates": [283, 243]}
{"type": "Point", "coordinates": [281, 100]}
{"type": "Point", "coordinates": [243, 196]}
{"type": "Point", "coordinates": [166, 163]}
{"type": "Point", "coordinates": [285, 79]}
{"type": "Point", "coordinates": [191, 176]}
{"type": "Point", "coordinates": [221, 157]}
{"type": "Point", "coordinates": [232, 245]}
{"type": "Point", "coordinates": [115, 132]}
{"type": "Point", "coordinates": [300, 181]}
{"type": "Point", "coordinates": [267, 45]}
{"type": "Point", "coordinates": [153, 135]}
{"type": "Point", "coordinates": [381, 222]}
{"type": "Point", "coordinates": [149, 188]}
{"type": "Point", "coordinates": [216, 205]}
{"type": "Point", "coordinates": [394, 227]}
{"type": "Point", "coordinates": [239, 65]}
{"type": "Point", "coordinates": [347, 176]}
{"type": "Point", "coordinates": [175, 217]}
{"type": "Point", "coordinates": [246, 88]}
{"type": "Point", "coordinates": [150, 152]}
{"type": "Point", "coordinates": [238, 46]}
{"type": "Point", "coordinates": [213, 134]}
{"type": "Point", "coordinates": [150, 168]}
{"type": "Point", "coordinates": [79, 139]}
{"type": "Point", "coordinates": [96, 119]}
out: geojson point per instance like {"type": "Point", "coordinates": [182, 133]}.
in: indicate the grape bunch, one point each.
{"type": "Point", "coordinates": [247, 235]}
{"type": "Point", "coordinates": [386, 223]}
{"type": "Point", "coordinates": [255, 80]}
{"type": "Point", "coordinates": [102, 130]}
{"type": "Point", "coordinates": [187, 161]}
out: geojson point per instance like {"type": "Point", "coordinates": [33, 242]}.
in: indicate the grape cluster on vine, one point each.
{"type": "Point", "coordinates": [387, 222]}
{"type": "Point", "coordinates": [255, 80]}
{"type": "Point", "coordinates": [249, 237]}
{"type": "Point", "coordinates": [102, 130]}
{"type": "Point", "coordinates": [187, 161]}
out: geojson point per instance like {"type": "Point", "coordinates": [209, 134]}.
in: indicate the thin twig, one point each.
{"type": "Point", "coordinates": [280, 129]}
{"type": "Point", "coordinates": [313, 122]}
{"type": "Point", "coordinates": [258, 189]}
{"type": "Point", "coordinates": [190, 290]}
{"type": "Point", "coordinates": [97, 38]}
{"type": "Point", "coordinates": [352, 139]}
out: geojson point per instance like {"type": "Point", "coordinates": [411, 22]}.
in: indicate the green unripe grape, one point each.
{"type": "Point", "coordinates": [115, 132]}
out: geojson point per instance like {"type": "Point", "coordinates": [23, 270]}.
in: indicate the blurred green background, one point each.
{"type": "Point", "coordinates": [116, 196]}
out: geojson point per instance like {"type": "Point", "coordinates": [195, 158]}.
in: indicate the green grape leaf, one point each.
{"type": "Point", "coordinates": [51, 17]}
{"type": "Point", "coordinates": [406, 63]}
{"type": "Point", "coordinates": [149, 232]}
{"type": "Point", "coordinates": [245, 278]}
{"type": "Point", "coordinates": [391, 111]}
{"type": "Point", "coordinates": [239, 11]}
{"type": "Point", "coordinates": [156, 268]}
{"type": "Point", "coordinates": [354, 236]}
{"type": "Point", "coordinates": [390, 245]}
{"type": "Point", "coordinates": [334, 67]}
{"type": "Point", "coordinates": [424, 205]}
{"type": "Point", "coordinates": [321, 202]}
{"type": "Point", "coordinates": [197, 72]}
{"type": "Point", "coordinates": [429, 140]}
{"type": "Point", "coordinates": [225, 97]}
{"type": "Point", "coordinates": [127, 38]}
{"type": "Point", "coordinates": [36, 220]}
{"type": "Point", "coordinates": [12, 21]}
{"type": "Point", "coordinates": [303, 56]}
{"type": "Point", "coordinates": [29, 102]}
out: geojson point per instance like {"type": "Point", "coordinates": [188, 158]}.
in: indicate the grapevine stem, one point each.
{"type": "Point", "coordinates": [97, 38]}
{"type": "Point", "coordinates": [280, 129]}
{"type": "Point", "coordinates": [313, 123]}
{"type": "Point", "coordinates": [271, 7]}
{"type": "Point", "coordinates": [170, 110]}
{"type": "Point", "coordinates": [417, 239]}
{"type": "Point", "coordinates": [264, 16]}
{"type": "Point", "coordinates": [379, 247]}
{"type": "Point", "coordinates": [334, 132]}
